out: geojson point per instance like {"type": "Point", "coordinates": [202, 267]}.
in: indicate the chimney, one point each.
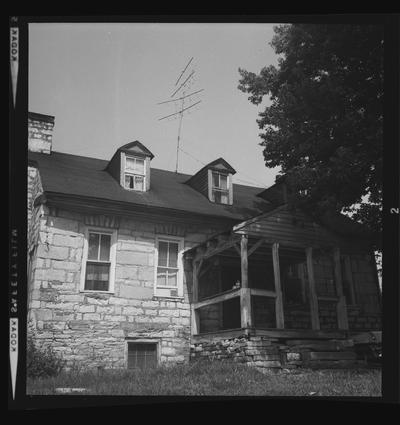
{"type": "Point", "coordinates": [40, 132]}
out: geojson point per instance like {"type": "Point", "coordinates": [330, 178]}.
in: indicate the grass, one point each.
{"type": "Point", "coordinates": [215, 378]}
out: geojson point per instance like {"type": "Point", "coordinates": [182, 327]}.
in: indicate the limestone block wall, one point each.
{"type": "Point", "coordinates": [34, 190]}
{"type": "Point", "coordinates": [92, 329]}
{"type": "Point", "coordinates": [267, 352]}
{"type": "Point", "coordinates": [40, 132]}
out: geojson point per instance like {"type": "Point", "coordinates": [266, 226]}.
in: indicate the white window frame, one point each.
{"type": "Point", "coordinates": [113, 252]}
{"type": "Point", "coordinates": [179, 286]}
{"type": "Point", "coordinates": [130, 173]}
{"type": "Point", "coordinates": [218, 189]}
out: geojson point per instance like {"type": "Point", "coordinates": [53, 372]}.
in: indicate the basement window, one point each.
{"type": "Point", "coordinates": [220, 189]}
{"type": "Point", "coordinates": [142, 355]}
{"type": "Point", "coordinates": [134, 173]}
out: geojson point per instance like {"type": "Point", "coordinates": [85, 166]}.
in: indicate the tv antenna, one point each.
{"type": "Point", "coordinates": [181, 89]}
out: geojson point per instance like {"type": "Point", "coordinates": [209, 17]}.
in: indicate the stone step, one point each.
{"type": "Point", "coordinates": [329, 355]}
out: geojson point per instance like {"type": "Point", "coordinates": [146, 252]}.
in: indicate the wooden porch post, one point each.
{"type": "Point", "coordinates": [245, 297]}
{"type": "Point", "coordinates": [349, 277]}
{"type": "Point", "coordinates": [313, 295]}
{"type": "Point", "coordinates": [280, 319]}
{"type": "Point", "coordinates": [195, 317]}
{"type": "Point", "coordinates": [341, 307]}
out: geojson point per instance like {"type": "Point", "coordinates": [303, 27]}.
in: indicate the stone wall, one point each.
{"type": "Point", "coordinates": [267, 352]}
{"type": "Point", "coordinates": [92, 329]}
{"type": "Point", "coordinates": [40, 132]}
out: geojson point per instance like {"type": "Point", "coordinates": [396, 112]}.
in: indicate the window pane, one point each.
{"type": "Point", "coordinates": [105, 247]}
{"type": "Point", "coordinates": [93, 250]}
{"type": "Point", "coordinates": [223, 181]}
{"type": "Point", "coordinates": [135, 164]}
{"type": "Point", "coordinates": [173, 254]}
{"type": "Point", "coordinates": [130, 163]}
{"type": "Point", "coordinates": [97, 277]}
{"type": "Point", "coordinates": [217, 196]}
{"type": "Point", "coordinates": [162, 253]}
{"type": "Point", "coordinates": [142, 355]}
{"type": "Point", "coordinates": [128, 181]}
{"type": "Point", "coordinates": [139, 180]}
{"type": "Point", "coordinates": [224, 198]}
{"type": "Point", "coordinates": [215, 177]}
{"type": "Point", "coordinates": [161, 277]}
{"type": "Point", "coordinates": [172, 278]}
{"type": "Point", "coordinates": [139, 166]}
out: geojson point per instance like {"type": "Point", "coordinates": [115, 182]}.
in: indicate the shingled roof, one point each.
{"type": "Point", "coordinates": [67, 174]}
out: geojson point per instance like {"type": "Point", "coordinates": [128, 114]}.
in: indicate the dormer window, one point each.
{"type": "Point", "coordinates": [130, 166]}
{"type": "Point", "coordinates": [215, 182]}
{"type": "Point", "coordinates": [220, 188]}
{"type": "Point", "coordinates": [135, 173]}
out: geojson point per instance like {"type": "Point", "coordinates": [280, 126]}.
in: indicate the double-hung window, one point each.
{"type": "Point", "coordinates": [220, 188]}
{"type": "Point", "coordinates": [168, 268]}
{"type": "Point", "coordinates": [135, 173]}
{"type": "Point", "coordinates": [99, 261]}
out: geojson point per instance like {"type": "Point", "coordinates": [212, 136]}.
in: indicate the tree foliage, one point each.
{"type": "Point", "coordinates": [323, 125]}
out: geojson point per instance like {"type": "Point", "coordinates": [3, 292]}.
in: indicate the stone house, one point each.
{"type": "Point", "coordinates": [131, 266]}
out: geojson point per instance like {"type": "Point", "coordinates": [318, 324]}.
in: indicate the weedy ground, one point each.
{"type": "Point", "coordinates": [214, 378]}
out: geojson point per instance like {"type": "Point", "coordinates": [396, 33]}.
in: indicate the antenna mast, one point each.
{"type": "Point", "coordinates": [188, 81]}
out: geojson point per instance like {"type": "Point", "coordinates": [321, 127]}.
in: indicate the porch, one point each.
{"type": "Point", "coordinates": [253, 285]}
{"type": "Point", "coordinates": [278, 290]}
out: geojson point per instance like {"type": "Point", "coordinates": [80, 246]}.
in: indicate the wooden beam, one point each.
{"type": "Point", "coordinates": [246, 319]}
{"type": "Point", "coordinates": [280, 320]}
{"type": "Point", "coordinates": [262, 293]}
{"type": "Point", "coordinates": [195, 320]}
{"type": "Point", "coordinates": [200, 265]}
{"type": "Point", "coordinates": [195, 283]}
{"type": "Point", "coordinates": [301, 333]}
{"type": "Point", "coordinates": [204, 270]}
{"type": "Point", "coordinates": [255, 246]}
{"type": "Point", "coordinates": [194, 316]}
{"type": "Point", "coordinates": [313, 295]}
{"type": "Point", "coordinates": [222, 246]}
{"type": "Point", "coordinates": [245, 296]}
{"type": "Point", "coordinates": [237, 249]}
{"type": "Point", "coordinates": [300, 274]}
{"type": "Point", "coordinates": [349, 277]}
{"type": "Point", "coordinates": [341, 308]}
{"type": "Point", "coordinates": [218, 298]}
{"type": "Point", "coordinates": [244, 261]}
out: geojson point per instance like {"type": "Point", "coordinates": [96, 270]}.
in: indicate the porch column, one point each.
{"type": "Point", "coordinates": [195, 317]}
{"type": "Point", "coordinates": [245, 297]}
{"type": "Point", "coordinates": [341, 307]}
{"type": "Point", "coordinates": [280, 319]}
{"type": "Point", "coordinates": [349, 277]}
{"type": "Point", "coordinates": [313, 295]}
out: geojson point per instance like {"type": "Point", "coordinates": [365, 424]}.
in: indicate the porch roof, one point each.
{"type": "Point", "coordinates": [291, 229]}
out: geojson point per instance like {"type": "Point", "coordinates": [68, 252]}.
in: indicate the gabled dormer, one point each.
{"type": "Point", "coordinates": [215, 182]}
{"type": "Point", "coordinates": [130, 166]}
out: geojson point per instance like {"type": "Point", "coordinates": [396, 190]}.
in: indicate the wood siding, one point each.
{"type": "Point", "coordinates": [291, 229]}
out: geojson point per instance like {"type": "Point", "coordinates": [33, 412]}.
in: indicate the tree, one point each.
{"type": "Point", "coordinates": [324, 125]}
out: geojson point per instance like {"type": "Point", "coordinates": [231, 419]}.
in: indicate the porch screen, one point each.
{"type": "Point", "coordinates": [142, 355]}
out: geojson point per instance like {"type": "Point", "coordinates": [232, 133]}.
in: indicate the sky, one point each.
{"type": "Point", "coordinates": [103, 82]}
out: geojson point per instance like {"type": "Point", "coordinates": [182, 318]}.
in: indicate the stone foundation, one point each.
{"type": "Point", "coordinates": [279, 353]}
